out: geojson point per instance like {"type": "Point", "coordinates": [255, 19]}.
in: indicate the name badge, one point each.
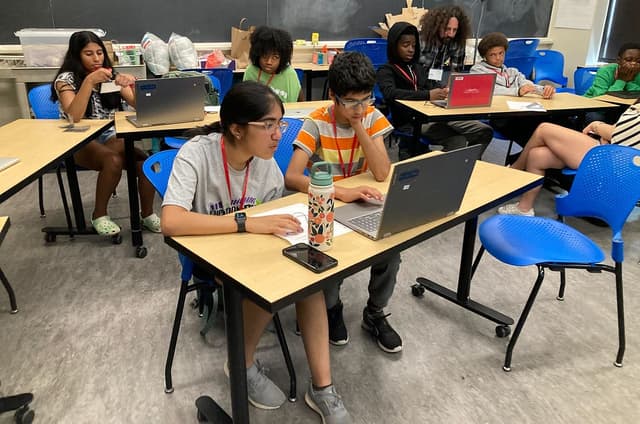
{"type": "Point", "coordinates": [435, 74]}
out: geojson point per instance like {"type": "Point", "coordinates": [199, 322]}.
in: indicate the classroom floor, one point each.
{"type": "Point", "coordinates": [92, 333]}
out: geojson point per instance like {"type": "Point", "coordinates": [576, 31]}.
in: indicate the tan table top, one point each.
{"type": "Point", "coordinates": [559, 102]}
{"type": "Point", "coordinates": [616, 100]}
{"type": "Point", "coordinates": [305, 66]}
{"type": "Point", "coordinates": [39, 143]}
{"type": "Point", "coordinates": [255, 261]}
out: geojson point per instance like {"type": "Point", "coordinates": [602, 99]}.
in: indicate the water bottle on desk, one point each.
{"type": "Point", "coordinates": [321, 201]}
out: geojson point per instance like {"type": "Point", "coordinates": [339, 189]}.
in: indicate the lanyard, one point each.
{"type": "Point", "coordinates": [503, 74]}
{"type": "Point", "coordinates": [226, 175]}
{"type": "Point", "coordinates": [268, 81]}
{"type": "Point", "coordinates": [413, 79]}
{"type": "Point", "coordinates": [354, 144]}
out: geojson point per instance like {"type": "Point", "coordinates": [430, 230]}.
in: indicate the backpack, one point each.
{"type": "Point", "coordinates": [212, 97]}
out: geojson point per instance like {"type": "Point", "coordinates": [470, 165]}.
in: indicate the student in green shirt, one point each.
{"type": "Point", "coordinates": [624, 75]}
{"type": "Point", "coordinates": [270, 55]}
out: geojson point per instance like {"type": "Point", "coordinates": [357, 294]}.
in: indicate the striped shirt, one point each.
{"type": "Point", "coordinates": [318, 141]}
{"type": "Point", "coordinates": [627, 129]}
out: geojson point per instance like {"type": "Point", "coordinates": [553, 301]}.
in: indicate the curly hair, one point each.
{"type": "Point", "coordinates": [628, 46]}
{"type": "Point", "coordinates": [266, 40]}
{"type": "Point", "coordinates": [351, 72]}
{"type": "Point", "coordinates": [491, 40]}
{"type": "Point", "coordinates": [436, 20]}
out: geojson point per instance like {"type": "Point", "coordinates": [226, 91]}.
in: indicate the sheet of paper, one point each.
{"type": "Point", "coordinates": [109, 87]}
{"type": "Point", "coordinates": [212, 109]}
{"type": "Point", "coordinates": [300, 211]}
{"type": "Point", "coordinates": [526, 106]}
{"type": "Point", "coordinates": [299, 113]}
{"type": "Point", "coordinates": [575, 14]}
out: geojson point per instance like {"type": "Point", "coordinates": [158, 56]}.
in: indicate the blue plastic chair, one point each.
{"type": "Point", "coordinates": [285, 146]}
{"type": "Point", "coordinates": [524, 64]}
{"type": "Point", "coordinates": [583, 79]}
{"type": "Point", "coordinates": [300, 74]}
{"type": "Point", "coordinates": [157, 169]}
{"type": "Point", "coordinates": [374, 48]}
{"type": "Point", "coordinates": [522, 47]}
{"type": "Point", "coordinates": [225, 76]}
{"type": "Point", "coordinates": [605, 187]}
{"type": "Point", "coordinates": [549, 66]}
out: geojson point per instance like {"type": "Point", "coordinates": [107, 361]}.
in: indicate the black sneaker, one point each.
{"type": "Point", "coordinates": [337, 331]}
{"type": "Point", "coordinates": [379, 327]}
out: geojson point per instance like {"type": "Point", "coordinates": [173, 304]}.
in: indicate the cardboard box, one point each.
{"type": "Point", "coordinates": [47, 46]}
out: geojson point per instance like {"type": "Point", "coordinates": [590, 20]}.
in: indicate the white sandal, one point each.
{"type": "Point", "coordinates": [152, 223]}
{"type": "Point", "coordinates": [104, 226]}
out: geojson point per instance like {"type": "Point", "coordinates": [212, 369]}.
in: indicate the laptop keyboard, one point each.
{"type": "Point", "coordinates": [369, 222]}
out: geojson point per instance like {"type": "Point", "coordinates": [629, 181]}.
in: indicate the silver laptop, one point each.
{"type": "Point", "coordinates": [164, 101]}
{"type": "Point", "coordinates": [7, 162]}
{"type": "Point", "coordinates": [420, 191]}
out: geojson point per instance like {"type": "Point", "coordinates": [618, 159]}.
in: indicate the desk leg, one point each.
{"type": "Point", "coordinates": [207, 407]}
{"type": "Point", "coordinates": [134, 206]}
{"type": "Point", "coordinates": [462, 296]}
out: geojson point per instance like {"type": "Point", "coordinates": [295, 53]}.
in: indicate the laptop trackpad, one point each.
{"type": "Point", "coordinates": [355, 209]}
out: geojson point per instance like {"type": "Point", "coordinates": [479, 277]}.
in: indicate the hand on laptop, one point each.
{"type": "Point", "coordinates": [438, 93]}
{"type": "Point", "coordinates": [353, 194]}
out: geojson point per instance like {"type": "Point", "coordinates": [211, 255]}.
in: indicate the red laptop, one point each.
{"type": "Point", "coordinates": [468, 90]}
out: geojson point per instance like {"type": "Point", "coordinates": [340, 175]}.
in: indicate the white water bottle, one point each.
{"type": "Point", "coordinates": [321, 201]}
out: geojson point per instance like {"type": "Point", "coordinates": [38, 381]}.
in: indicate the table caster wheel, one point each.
{"type": "Point", "coordinates": [24, 415]}
{"type": "Point", "coordinates": [49, 237]}
{"type": "Point", "coordinates": [141, 252]}
{"type": "Point", "coordinates": [116, 239]}
{"type": "Point", "coordinates": [503, 331]}
{"type": "Point", "coordinates": [417, 290]}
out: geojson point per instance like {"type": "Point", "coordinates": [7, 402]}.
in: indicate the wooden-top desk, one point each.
{"type": "Point", "coordinates": [310, 71]}
{"type": "Point", "coordinates": [252, 265]}
{"type": "Point", "coordinates": [40, 144]}
{"type": "Point", "coordinates": [560, 103]}
{"type": "Point", "coordinates": [615, 100]}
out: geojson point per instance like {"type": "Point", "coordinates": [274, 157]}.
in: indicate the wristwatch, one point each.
{"type": "Point", "coordinates": [241, 218]}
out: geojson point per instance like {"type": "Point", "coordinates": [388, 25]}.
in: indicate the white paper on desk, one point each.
{"type": "Point", "coordinates": [109, 87]}
{"type": "Point", "coordinates": [301, 212]}
{"type": "Point", "coordinates": [525, 106]}
{"type": "Point", "coordinates": [212, 109]}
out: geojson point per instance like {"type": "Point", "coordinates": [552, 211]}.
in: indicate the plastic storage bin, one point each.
{"type": "Point", "coordinates": [47, 46]}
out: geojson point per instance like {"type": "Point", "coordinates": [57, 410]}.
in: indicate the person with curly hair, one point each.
{"type": "Point", "coordinates": [444, 36]}
{"type": "Point", "coordinates": [270, 55]}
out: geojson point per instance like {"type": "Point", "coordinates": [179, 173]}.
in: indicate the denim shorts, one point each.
{"type": "Point", "coordinates": [106, 135]}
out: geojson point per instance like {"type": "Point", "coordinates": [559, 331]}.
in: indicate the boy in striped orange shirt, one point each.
{"type": "Point", "coordinates": [349, 134]}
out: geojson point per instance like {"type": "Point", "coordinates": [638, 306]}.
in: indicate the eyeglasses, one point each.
{"type": "Point", "coordinates": [271, 124]}
{"type": "Point", "coordinates": [354, 104]}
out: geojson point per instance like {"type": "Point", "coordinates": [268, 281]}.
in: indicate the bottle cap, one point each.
{"type": "Point", "coordinates": [321, 178]}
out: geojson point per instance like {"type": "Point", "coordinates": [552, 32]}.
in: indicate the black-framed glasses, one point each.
{"type": "Point", "coordinates": [354, 104]}
{"type": "Point", "coordinates": [271, 124]}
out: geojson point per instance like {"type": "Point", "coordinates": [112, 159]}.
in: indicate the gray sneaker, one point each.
{"type": "Point", "coordinates": [262, 392]}
{"type": "Point", "coordinates": [328, 403]}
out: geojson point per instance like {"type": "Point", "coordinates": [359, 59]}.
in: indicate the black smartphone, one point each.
{"type": "Point", "coordinates": [309, 257]}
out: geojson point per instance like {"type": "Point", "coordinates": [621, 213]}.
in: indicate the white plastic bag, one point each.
{"type": "Point", "coordinates": [182, 52]}
{"type": "Point", "coordinates": [155, 53]}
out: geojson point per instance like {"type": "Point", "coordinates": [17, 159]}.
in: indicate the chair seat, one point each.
{"type": "Point", "coordinates": [523, 240]}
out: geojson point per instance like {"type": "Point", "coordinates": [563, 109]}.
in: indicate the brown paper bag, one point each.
{"type": "Point", "coordinates": [241, 43]}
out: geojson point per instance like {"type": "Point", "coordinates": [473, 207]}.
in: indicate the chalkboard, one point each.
{"type": "Point", "coordinates": [211, 20]}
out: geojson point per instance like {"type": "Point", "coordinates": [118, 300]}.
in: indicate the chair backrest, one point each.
{"type": "Point", "coordinates": [41, 104]}
{"type": "Point", "coordinates": [606, 186]}
{"type": "Point", "coordinates": [374, 48]}
{"type": "Point", "coordinates": [225, 76]}
{"type": "Point", "coordinates": [583, 79]}
{"type": "Point", "coordinates": [522, 47]}
{"type": "Point", "coordinates": [549, 66]}
{"type": "Point", "coordinates": [157, 169]}
{"type": "Point", "coordinates": [285, 146]}
{"type": "Point", "coordinates": [300, 74]}
{"type": "Point", "coordinates": [524, 64]}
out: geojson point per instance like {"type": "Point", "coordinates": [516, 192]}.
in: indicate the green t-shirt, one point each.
{"type": "Point", "coordinates": [606, 81]}
{"type": "Point", "coordinates": [285, 84]}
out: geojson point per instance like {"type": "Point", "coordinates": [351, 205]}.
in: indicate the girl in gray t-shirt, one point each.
{"type": "Point", "coordinates": [227, 171]}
